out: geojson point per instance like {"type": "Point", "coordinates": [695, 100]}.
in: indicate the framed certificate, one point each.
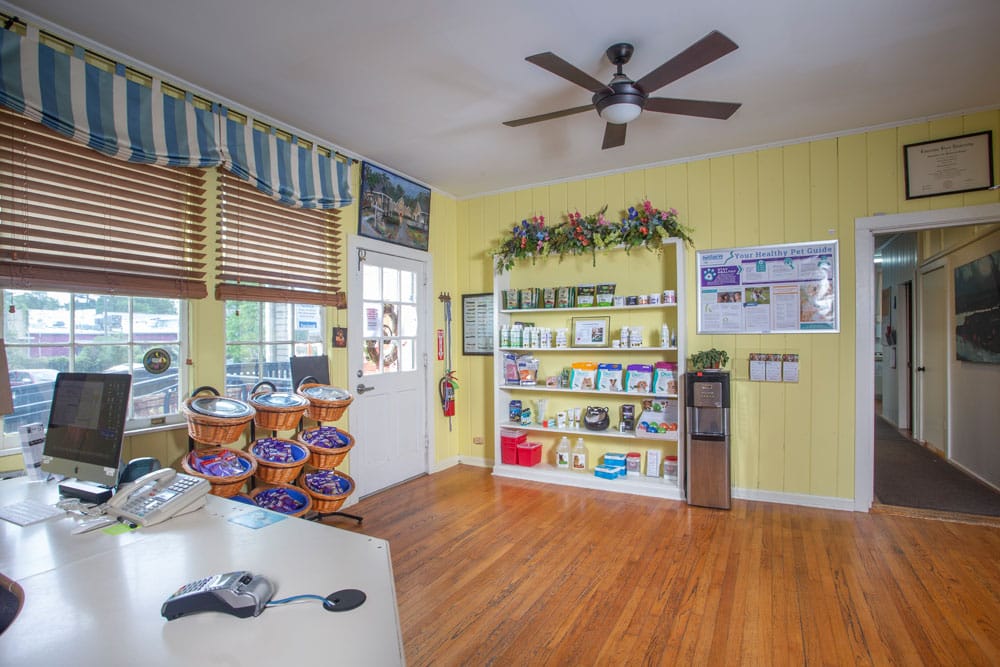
{"type": "Point", "coordinates": [948, 166]}
{"type": "Point", "coordinates": [477, 324]}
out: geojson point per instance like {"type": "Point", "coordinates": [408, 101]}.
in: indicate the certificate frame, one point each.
{"type": "Point", "coordinates": [591, 331]}
{"type": "Point", "coordinates": [477, 324]}
{"type": "Point", "coordinates": [952, 165]}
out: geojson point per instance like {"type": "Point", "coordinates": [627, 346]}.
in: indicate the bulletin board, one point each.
{"type": "Point", "coordinates": [788, 288]}
{"type": "Point", "coordinates": [477, 324]}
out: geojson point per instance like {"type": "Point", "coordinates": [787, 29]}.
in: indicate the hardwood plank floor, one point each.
{"type": "Point", "coordinates": [494, 571]}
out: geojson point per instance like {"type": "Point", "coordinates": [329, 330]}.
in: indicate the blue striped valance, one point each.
{"type": "Point", "coordinates": [139, 123]}
{"type": "Point", "coordinates": [286, 171]}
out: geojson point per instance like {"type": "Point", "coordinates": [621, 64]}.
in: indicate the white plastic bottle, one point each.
{"type": "Point", "coordinates": [563, 454]}
{"type": "Point", "coordinates": [579, 456]}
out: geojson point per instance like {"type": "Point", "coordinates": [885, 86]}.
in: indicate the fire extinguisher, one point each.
{"type": "Point", "coordinates": [446, 390]}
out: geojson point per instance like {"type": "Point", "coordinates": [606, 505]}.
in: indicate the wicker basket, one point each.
{"type": "Point", "coordinates": [214, 431]}
{"type": "Point", "coordinates": [276, 418]}
{"type": "Point", "coordinates": [273, 472]}
{"type": "Point", "coordinates": [320, 409]}
{"type": "Point", "coordinates": [226, 487]}
{"type": "Point", "coordinates": [326, 458]}
{"type": "Point", "coordinates": [306, 508]}
{"type": "Point", "coordinates": [324, 503]}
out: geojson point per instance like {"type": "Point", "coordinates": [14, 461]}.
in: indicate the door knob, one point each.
{"type": "Point", "coordinates": [362, 388]}
{"type": "Point", "coordinates": [921, 369]}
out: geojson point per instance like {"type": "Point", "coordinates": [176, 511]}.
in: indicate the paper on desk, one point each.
{"type": "Point", "coordinates": [257, 519]}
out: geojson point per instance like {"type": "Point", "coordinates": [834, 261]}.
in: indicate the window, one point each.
{"type": "Point", "coordinates": [48, 332]}
{"type": "Point", "coordinates": [390, 319]}
{"type": "Point", "coordinates": [261, 337]}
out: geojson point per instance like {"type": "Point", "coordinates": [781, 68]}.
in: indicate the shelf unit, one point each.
{"type": "Point", "coordinates": [638, 272]}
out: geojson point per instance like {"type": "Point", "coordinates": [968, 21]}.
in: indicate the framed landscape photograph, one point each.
{"type": "Point", "coordinates": [394, 209]}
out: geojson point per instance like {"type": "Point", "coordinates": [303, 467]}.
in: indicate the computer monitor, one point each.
{"type": "Point", "coordinates": [86, 426]}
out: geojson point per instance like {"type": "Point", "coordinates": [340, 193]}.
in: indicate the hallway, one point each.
{"type": "Point", "coordinates": [908, 475]}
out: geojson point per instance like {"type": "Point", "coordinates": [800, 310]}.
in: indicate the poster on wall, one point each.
{"type": "Point", "coordinates": [788, 288]}
{"type": "Point", "coordinates": [477, 323]}
{"type": "Point", "coordinates": [977, 310]}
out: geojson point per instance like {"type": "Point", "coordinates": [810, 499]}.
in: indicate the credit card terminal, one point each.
{"type": "Point", "coordinates": [238, 593]}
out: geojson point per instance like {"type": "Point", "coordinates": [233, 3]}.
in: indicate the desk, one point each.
{"type": "Point", "coordinates": [95, 598]}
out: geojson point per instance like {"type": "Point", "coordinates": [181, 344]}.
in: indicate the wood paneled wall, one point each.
{"type": "Point", "coordinates": [792, 438]}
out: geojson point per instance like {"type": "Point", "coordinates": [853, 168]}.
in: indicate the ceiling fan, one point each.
{"type": "Point", "coordinates": [622, 100]}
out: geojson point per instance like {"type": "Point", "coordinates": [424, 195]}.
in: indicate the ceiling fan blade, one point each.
{"type": "Point", "coordinates": [701, 108]}
{"type": "Point", "coordinates": [708, 49]}
{"type": "Point", "coordinates": [548, 116]}
{"type": "Point", "coordinates": [553, 63]}
{"type": "Point", "coordinates": [614, 136]}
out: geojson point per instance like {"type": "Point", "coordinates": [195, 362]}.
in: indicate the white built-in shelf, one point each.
{"type": "Point", "coordinates": [588, 309]}
{"type": "Point", "coordinates": [656, 487]}
{"type": "Point", "coordinates": [670, 436]}
{"type": "Point", "coordinates": [593, 392]}
{"type": "Point", "coordinates": [588, 349]}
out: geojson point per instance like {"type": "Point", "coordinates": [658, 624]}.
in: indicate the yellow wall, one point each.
{"type": "Point", "coordinates": [792, 438]}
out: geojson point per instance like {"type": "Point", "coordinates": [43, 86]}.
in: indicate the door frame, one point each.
{"type": "Point", "coordinates": [425, 339]}
{"type": "Point", "coordinates": [865, 229]}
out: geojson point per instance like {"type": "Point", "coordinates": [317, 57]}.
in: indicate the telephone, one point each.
{"type": "Point", "coordinates": [238, 593]}
{"type": "Point", "coordinates": [157, 496]}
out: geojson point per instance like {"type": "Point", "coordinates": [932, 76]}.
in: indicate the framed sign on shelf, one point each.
{"type": "Point", "coordinates": [477, 324]}
{"type": "Point", "coordinates": [591, 331]}
{"type": "Point", "coordinates": [948, 166]}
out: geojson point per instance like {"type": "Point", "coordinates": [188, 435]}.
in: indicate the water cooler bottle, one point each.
{"type": "Point", "coordinates": [707, 453]}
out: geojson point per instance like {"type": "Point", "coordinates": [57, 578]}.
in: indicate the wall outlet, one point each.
{"type": "Point", "coordinates": [478, 440]}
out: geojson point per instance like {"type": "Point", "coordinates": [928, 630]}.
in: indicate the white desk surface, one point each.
{"type": "Point", "coordinates": [95, 598]}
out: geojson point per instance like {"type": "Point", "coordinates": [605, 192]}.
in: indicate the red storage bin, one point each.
{"type": "Point", "coordinates": [529, 453]}
{"type": "Point", "coordinates": [510, 438]}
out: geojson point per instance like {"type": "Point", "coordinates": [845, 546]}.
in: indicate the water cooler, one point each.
{"type": "Point", "coordinates": [707, 444]}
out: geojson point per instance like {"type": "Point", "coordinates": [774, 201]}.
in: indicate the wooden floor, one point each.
{"type": "Point", "coordinates": [505, 572]}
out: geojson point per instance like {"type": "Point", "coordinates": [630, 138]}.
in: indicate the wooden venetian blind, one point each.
{"type": "Point", "coordinates": [271, 252]}
{"type": "Point", "coordinates": [74, 219]}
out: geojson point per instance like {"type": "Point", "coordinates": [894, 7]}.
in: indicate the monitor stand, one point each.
{"type": "Point", "coordinates": [88, 492]}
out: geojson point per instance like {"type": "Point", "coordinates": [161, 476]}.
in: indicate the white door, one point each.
{"type": "Point", "coordinates": [932, 362]}
{"type": "Point", "coordinates": [387, 340]}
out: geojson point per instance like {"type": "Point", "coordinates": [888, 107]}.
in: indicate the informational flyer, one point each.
{"type": "Point", "coordinates": [788, 288]}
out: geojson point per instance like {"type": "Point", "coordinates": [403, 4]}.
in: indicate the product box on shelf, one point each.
{"type": "Point", "coordinates": [614, 459]}
{"type": "Point", "coordinates": [608, 472]}
{"type": "Point", "coordinates": [529, 453]}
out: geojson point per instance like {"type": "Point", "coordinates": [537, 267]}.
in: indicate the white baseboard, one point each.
{"type": "Point", "coordinates": [801, 499]}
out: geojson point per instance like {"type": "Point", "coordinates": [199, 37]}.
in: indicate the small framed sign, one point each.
{"type": "Point", "coordinates": [477, 324]}
{"type": "Point", "coordinates": [949, 166]}
{"type": "Point", "coordinates": [591, 331]}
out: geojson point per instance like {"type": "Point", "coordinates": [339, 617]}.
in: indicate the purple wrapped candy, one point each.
{"type": "Point", "coordinates": [327, 483]}
{"type": "Point", "coordinates": [222, 464]}
{"type": "Point", "coordinates": [276, 451]}
{"type": "Point", "coordinates": [329, 437]}
{"type": "Point", "coordinates": [279, 500]}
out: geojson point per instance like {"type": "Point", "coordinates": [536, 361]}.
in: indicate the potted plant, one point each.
{"type": "Point", "coordinates": [712, 358]}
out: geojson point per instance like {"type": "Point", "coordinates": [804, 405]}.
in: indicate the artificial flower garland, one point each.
{"type": "Point", "coordinates": [643, 226]}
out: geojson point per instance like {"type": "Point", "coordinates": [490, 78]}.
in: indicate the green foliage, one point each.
{"type": "Point", "coordinates": [645, 226]}
{"type": "Point", "coordinates": [712, 358]}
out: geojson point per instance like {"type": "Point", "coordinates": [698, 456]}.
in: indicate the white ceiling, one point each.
{"type": "Point", "coordinates": [423, 87]}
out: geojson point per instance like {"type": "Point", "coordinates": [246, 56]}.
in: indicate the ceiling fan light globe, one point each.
{"type": "Point", "coordinates": [621, 113]}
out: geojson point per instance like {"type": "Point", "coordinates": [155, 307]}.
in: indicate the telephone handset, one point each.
{"type": "Point", "coordinates": [238, 593]}
{"type": "Point", "coordinates": [158, 496]}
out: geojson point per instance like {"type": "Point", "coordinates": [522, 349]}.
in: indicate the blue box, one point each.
{"type": "Point", "coordinates": [606, 472]}
{"type": "Point", "coordinates": [614, 459]}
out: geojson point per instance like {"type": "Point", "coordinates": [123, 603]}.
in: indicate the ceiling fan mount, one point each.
{"type": "Point", "coordinates": [622, 99]}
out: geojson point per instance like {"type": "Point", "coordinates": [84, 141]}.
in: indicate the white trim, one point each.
{"type": "Point", "coordinates": [451, 462]}
{"type": "Point", "coordinates": [800, 499]}
{"type": "Point", "coordinates": [864, 343]}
